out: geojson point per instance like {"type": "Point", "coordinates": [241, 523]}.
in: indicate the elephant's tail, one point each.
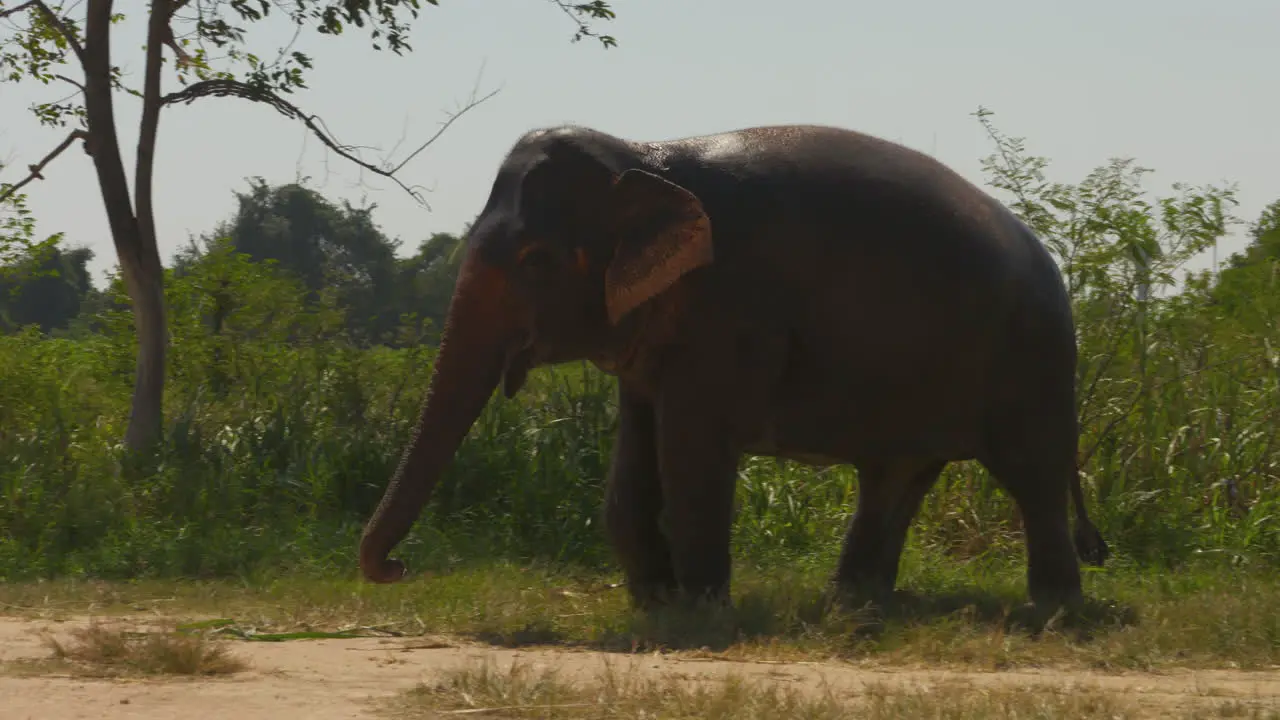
{"type": "Point", "coordinates": [1089, 543]}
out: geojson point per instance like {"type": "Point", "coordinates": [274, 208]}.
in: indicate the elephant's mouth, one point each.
{"type": "Point", "coordinates": [531, 349]}
{"type": "Point", "coordinates": [520, 358]}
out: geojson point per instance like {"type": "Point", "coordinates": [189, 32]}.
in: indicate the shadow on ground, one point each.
{"type": "Point", "coordinates": [817, 618]}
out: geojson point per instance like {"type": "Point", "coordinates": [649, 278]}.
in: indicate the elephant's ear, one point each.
{"type": "Point", "coordinates": [662, 232]}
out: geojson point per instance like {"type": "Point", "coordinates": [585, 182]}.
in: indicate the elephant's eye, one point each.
{"type": "Point", "coordinates": [536, 258]}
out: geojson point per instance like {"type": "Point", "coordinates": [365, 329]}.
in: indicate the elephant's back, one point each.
{"type": "Point", "coordinates": [881, 263]}
{"type": "Point", "coordinates": [845, 219]}
{"type": "Point", "coordinates": [839, 190]}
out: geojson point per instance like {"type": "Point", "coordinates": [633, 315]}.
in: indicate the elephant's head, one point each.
{"type": "Point", "coordinates": [573, 238]}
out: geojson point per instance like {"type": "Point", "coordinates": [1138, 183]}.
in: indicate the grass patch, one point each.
{"type": "Point", "coordinates": [484, 690]}
{"type": "Point", "coordinates": [949, 613]}
{"type": "Point", "coordinates": [99, 650]}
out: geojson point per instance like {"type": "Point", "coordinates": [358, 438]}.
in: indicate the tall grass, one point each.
{"type": "Point", "coordinates": [282, 433]}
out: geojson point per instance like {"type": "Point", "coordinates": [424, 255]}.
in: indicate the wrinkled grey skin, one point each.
{"type": "Point", "coordinates": [802, 292]}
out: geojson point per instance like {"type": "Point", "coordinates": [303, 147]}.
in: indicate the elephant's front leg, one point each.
{"type": "Point", "coordinates": [699, 466]}
{"type": "Point", "coordinates": [633, 501]}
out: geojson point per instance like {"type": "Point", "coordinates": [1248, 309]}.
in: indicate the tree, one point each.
{"type": "Point", "coordinates": [46, 44]}
{"type": "Point", "coordinates": [327, 246]}
{"type": "Point", "coordinates": [1250, 281]}
{"type": "Point", "coordinates": [339, 256]}
{"type": "Point", "coordinates": [1265, 242]}
{"type": "Point", "coordinates": [424, 282]}
{"type": "Point", "coordinates": [46, 288]}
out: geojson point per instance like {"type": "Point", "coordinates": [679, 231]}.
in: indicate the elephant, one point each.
{"type": "Point", "coordinates": [804, 292]}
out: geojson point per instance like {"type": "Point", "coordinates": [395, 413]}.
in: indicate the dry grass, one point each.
{"type": "Point", "coordinates": [483, 690]}
{"type": "Point", "coordinates": [100, 650]}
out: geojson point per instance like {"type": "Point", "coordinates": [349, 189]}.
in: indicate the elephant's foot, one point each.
{"type": "Point", "coordinates": [859, 587]}
{"type": "Point", "coordinates": [1053, 573]}
{"type": "Point", "coordinates": [1059, 605]}
{"type": "Point", "coordinates": [649, 595]}
{"type": "Point", "coordinates": [646, 564]}
{"type": "Point", "coordinates": [654, 596]}
{"type": "Point", "coordinates": [868, 565]}
{"type": "Point", "coordinates": [705, 595]}
{"type": "Point", "coordinates": [1058, 593]}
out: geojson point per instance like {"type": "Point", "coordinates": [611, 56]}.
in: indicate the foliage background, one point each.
{"type": "Point", "coordinates": [302, 345]}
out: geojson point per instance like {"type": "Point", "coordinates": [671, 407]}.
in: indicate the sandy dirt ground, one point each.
{"type": "Point", "coordinates": [352, 678]}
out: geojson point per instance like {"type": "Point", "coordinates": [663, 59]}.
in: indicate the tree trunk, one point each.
{"type": "Point", "coordinates": [146, 421]}
{"type": "Point", "coordinates": [135, 245]}
{"type": "Point", "coordinates": [146, 418]}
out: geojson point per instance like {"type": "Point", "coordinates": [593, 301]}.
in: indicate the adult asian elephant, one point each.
{"type": "Point", "coordinates": [803, 292]}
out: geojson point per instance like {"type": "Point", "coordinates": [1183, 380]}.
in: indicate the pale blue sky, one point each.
{"type": "Point", "coordinates": [1185, 87]}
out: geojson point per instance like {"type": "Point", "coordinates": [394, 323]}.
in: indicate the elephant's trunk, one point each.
{"type": "Point", "coordinates": [473, 349]}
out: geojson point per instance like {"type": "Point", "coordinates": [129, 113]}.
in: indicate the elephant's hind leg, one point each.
{"type": "Point", "coordinates": [1034, 461]}
{"type": "Point", "coordinates": [633, 501]}
{"type": "Point", "coordinates": [889, 495]}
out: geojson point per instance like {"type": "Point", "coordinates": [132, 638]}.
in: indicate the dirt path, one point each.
{"type": "Point", "coordinates": [331, 679]}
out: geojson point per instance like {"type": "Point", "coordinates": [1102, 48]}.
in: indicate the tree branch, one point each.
{"type": "Point", "coordinates": [595, 9]}
{"type": "Point", "coordinates": [35, 170]}
{"type": "Point", "coordinates": [68, 80]}
{"type": "Point", "coordinates": [168, 39]}
{"type": "Point", "coordinates": [245, 91]}
{"type": "Point", "coordinates": [471, 102]}
{"type": "Point", "coordinates": [48, 12]}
